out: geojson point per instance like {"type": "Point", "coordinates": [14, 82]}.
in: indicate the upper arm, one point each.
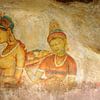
{"type": "Point", "coordinates": [72, 66]}
{"type": "Point", "coordinates": [40, 73]}
{"type": "Point", "coordinates": [43, 65]}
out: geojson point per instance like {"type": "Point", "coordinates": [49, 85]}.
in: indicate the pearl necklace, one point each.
{"type": "Point", "coordinates": [55, 61]}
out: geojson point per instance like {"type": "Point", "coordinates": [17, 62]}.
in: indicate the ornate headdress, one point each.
{"type": "Point", "coordinates": [55, 31]}
{"type": "Point", "coordinates": [6, 22]}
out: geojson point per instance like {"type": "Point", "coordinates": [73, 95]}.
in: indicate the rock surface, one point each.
{"type": "Point", "coordinates": [80, 21]}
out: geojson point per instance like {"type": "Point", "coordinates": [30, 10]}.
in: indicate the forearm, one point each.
{"type": "Point", "coordinates": [18, 73]}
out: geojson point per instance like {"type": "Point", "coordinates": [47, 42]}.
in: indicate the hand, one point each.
{"type": "Point", "coordinates": [70, 85]}
{"type": "Point", "coordinates": [10, 82]}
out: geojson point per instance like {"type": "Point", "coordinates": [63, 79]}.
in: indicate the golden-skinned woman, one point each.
{"type": "Point", "coordinates": [59, 65]}
{"type": "Point", "coordinates": [13, 55]}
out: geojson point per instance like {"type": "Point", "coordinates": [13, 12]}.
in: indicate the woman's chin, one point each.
{"type": "Point", "coordinates": [60, 54]}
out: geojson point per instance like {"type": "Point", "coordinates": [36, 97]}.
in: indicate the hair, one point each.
{"type": "Point", "coordinates": [11, 23]}
{"type": "Point", "coordinates": [56, 35]}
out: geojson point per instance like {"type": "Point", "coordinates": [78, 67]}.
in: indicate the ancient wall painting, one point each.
{"type": "Point", "coordinates": [56, 66]}
{"type": "Point", "coordinates": [48, 54]}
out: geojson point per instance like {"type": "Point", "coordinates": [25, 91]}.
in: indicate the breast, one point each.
{"type": "Point", "coordinates": [8, 61]}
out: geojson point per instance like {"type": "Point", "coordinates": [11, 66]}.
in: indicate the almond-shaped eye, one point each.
{"type": "Point", "coordinates": [4, 29]}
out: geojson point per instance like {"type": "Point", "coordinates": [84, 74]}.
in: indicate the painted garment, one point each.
{"type": "Point", "coordinates": [10, 61]}
{"type": "Point", "coordinates": [50, 69]}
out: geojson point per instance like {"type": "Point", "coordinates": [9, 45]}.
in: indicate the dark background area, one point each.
{"type": "Point", "coordinates": [85, 1]}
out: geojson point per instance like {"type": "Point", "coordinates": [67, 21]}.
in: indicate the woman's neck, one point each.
{"type": "Point", "coordinates": [61, 54]}
{"type": "Point", "coordinates": [12, 43]}
{"type": "Point", "coordinates": [60, 60]}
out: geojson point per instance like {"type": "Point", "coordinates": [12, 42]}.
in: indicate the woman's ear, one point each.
{"type": "Point", "coordinates": [65, 42]}
{"type": "Point", "coordinates": [66, 45]}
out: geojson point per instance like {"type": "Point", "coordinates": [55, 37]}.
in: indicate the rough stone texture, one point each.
{"type": "Point", "coordinates": [80, 21]}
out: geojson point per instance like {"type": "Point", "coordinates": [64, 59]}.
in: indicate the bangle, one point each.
{"type": "Point", "coordinates": [40, 70]}
{"type": "Point", "coordinates": [19, 68]}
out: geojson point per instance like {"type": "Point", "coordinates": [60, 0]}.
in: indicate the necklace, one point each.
{"type": "Point", "coordinates": [3, 55]}
{"type": "Point", "coordinates": [55, 61]}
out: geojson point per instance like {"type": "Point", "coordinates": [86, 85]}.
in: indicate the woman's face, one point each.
{"type": "Point", "coordinates": [58, 46]}
{"type": "Point", "coordinates": [3, 36]}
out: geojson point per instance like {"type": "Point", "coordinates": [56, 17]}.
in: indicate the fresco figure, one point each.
{"type": "Point", "coordinates": [58, 65]}
{"type": "Point", "coordinates": [12, 58]}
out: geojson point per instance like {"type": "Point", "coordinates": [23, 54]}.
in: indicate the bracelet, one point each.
{"type": "Point", "coordinates": [70, 76]}
{"type": "Point", "coordinates": [19, 68]}
{"type": "Point", "coordinates": [40, 70]}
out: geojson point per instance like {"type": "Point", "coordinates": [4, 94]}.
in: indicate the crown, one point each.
{"type": "Point", "coordinates": [54, 26]}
